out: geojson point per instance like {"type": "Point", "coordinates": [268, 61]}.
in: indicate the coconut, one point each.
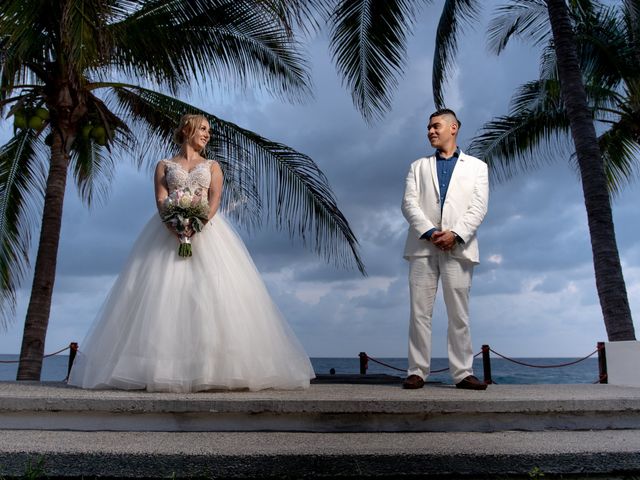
{"type": "Point", "coordinates": [99, 134]}
{"type": "Point", "coordinates": [19, 121]}
{"type": "Point", "coordinates": [86, 130]}
{"type": "Point", "coordinates": [43, 113]}
{"type": "Point", "coordinates": [36, 122]}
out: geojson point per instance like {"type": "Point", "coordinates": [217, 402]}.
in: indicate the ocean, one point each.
{"type": "Point", "coordinates": [503, 371]}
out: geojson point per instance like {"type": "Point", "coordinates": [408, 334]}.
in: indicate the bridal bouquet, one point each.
{"type": "Point", "coordinates": [187, 213]}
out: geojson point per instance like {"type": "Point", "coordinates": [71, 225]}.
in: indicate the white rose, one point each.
{"type": "Point", "coordinates": [185, 201]}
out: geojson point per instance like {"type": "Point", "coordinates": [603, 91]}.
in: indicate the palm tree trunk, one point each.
{"type": "Point", "coordinates": [35, 326]}
{"type": "Point", "coordinates": [608, 271]}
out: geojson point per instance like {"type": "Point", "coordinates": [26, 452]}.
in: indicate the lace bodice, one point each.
{"type": "Point", "coordinates": [179, 178]}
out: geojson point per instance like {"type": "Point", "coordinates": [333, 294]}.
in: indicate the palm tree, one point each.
{"type": "Point", "coordinates": [65, 77]}
{"type": "Point", "coordinates": [609, 279]}
{"type": "Point", "coordinates": [368, 41]}
{"type": "Point", "coordinates": [540, 114]}
{"type": "Point", "coordinates": [522, 139]}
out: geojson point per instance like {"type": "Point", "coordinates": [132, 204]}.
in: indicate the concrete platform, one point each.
{"type": "Point", "coordinates": [323, 409]}
{"type": "Point", "coordinates": [312, 455]}
{"type": "Point", "coordinates": [325, 431]}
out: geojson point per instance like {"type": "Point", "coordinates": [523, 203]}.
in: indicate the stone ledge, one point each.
{"type": "Point", "coordinates": [260, 454]}
{"type": "Point", "coordinates": [323, 408]}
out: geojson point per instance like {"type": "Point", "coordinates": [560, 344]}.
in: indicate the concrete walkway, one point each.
{"type": "Point", "coordinates": [297, 455]}
{"type": "Point", "coordinates": [326, 430]}
{"type": "Point", "coordinates": [323, 408]}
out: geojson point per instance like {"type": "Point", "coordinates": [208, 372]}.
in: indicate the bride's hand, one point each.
{"type": "Point", "coordinates": [173, 231]}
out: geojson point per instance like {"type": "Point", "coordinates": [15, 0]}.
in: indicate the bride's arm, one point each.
{"type": "Point", "coordinates": [162, 191]}
{"type": "Point", "coordinates": [160, 184]}
{"type": "Point", "coordinates": [215, 189]}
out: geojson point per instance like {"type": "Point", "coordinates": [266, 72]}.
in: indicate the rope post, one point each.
{"type": "Point", "coordinates": [602, 363]}
{"type": "Point", "coordinates": [73, 350]}
{"type": "Point", "coordinates": [364, 363]}
{"type": "Point", "coordinates": [486, 364]}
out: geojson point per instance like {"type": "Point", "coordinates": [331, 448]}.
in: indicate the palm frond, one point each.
{"type": "Point", "coordinates": [620, 150]}
{"type": "Point", "coordinates": [151, 116]}
{"type": "Point", "coordinates": [27, 38]}
{"type": "Point", "coordinates": [93, 170]}
{"type": "Point", "coordinates": [368, 45]}
{"type": "Point", "coordinates": [605, 46]}
{"type": "Point", "coordinates": [297, 193]}
{"type": "Point", "coordinates": [632, 8]}
{"type": "Point", "coordinates": [92, 164]}
{"type": "Point", "coordinates": [548, 64]}
{"type": "Point", "coordinates": [544, 94]}
{"type": "Point", "coordinates": [527, 19]}
{"type": "Point", "coordinates": [455, 14]}
{"type": "Point", "coordinates": [631, 15]}
{"type": "Point", "coordinates": [12, 72]}
{"type": "Point", "coordinates": [580, 8]}
{"type": "Point", "coordinates": [85, 41]}
{"type": "Point", "coordinates": [606, 55]}
{"type": "Point", "coordinates": [27, 97]}
{"type": "Point", "coordinates": [605, 58]}
{"type": "Point", "coordinates": [258, 174]}
{"type": "Point", "coordinates": [21, 185]}
{"type": "Point", "coordinates": [306, 15]}
{"type": "Point", "coordinates": [232, 41]}
{"type": "Point", "coordinates": [605, 101]}
{"type": "Point", "coordinates": [536, 95]}
{"type": "Point", "coordinates": [520, 143]}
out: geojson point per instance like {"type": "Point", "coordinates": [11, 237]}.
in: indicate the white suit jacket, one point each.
{"type": "Point", "coordinates": [464, 207]}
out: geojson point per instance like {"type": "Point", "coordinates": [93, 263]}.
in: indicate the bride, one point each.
{"type": "Point", "coordinates": [186, 324]}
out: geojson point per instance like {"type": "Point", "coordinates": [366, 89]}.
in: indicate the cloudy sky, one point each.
{"type": "Point", "coordinates": [533, 294]}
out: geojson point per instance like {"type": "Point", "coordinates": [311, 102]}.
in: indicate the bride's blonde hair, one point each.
{"type": "Point", "coordinates": [189, 123]}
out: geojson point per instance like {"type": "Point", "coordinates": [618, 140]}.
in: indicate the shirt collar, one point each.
{"type": "Point", "coordinates": [456, 154]}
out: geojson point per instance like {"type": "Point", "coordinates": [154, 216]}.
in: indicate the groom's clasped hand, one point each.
{"type": "Point", "coordinates": [445, 241]}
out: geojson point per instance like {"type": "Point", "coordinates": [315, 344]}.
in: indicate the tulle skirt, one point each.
{"type": "Point", "coordinates": [178, 324]}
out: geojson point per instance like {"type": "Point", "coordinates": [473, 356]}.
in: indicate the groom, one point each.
{"type": "Point", "coordinates": [445, 201]}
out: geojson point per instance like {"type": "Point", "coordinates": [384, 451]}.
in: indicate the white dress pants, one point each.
{"type": "Point", "coordinates": [455, 274]}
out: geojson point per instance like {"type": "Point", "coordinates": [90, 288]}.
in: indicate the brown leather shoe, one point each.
{"type": "Point", "coordinates": [413, 382]}
{"type": "Point", "coordinates": [471, 383]}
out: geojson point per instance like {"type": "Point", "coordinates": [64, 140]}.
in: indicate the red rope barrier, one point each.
{"type": "Point", "coordinates": [385, 364]}
{"type": "Point", "coordinates": [403, 370]}
{"type": "Point", "coordinates": [601, 378]}
{"type": "Point", "coordinates": [524, 364]}
{"type": "Point", "coordinates": [543, 366]}
{"type": "Point", "coordinates": [45, 356]}
{"type": "Point", "coordinates": [439, 371]}
{"type": "Point", "coordinates": [56, 353]}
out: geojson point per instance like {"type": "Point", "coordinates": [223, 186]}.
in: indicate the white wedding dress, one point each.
{"type": "Point", "coordinates": [177, 324]}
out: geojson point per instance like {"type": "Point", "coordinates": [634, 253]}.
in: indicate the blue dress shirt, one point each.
{"type": "Point", "coordinates": [444, 168]}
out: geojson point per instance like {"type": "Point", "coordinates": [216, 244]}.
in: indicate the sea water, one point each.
{"type": "Point", "coordinates": [503, 371]}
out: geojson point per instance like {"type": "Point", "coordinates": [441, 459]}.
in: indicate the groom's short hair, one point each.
{"type": "Point", "coordinates": [446, 112]}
